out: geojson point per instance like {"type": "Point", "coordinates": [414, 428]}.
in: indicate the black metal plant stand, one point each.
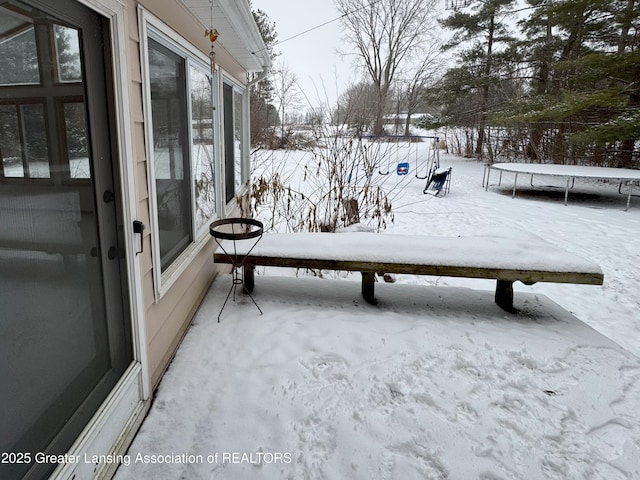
{"type": "Point", "coordinates": [241, 229]}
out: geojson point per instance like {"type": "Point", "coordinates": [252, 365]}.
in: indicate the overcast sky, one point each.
{"type": "Point", "coordinates": [322, 72]}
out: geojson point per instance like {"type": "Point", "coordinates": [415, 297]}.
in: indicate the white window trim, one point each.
{"type": "Point", "coordinates": [151, 26]}
{"type": "Point", "coordinates": [245, 167]}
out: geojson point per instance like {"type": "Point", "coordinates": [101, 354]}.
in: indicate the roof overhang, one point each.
{"type": "Point", "coordinates": [239, 34]}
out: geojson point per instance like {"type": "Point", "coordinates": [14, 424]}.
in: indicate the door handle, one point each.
{"type": "Point", "coordinates": [108, 196]}
{"type": "Point", "coordinates": [138, 227]}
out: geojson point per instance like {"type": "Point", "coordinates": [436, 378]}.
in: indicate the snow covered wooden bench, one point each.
{"type": "Point", "coordinates": [505, 257]}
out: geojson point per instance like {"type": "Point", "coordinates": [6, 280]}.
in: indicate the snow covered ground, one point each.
{"type": "Point", "coordinates": [436, 381]}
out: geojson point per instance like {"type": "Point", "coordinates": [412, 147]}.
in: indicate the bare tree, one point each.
{"type": "Point", "coordinates": [421, 75]}
{"type": "Point", "coordinates": [385, 33]}
{"type": "Point", "coordinates": [357, 106]}
{"type": "Point", "coordinates": [286, 93]}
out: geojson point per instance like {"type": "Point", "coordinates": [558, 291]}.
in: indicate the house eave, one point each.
{"type": "Point", "coordinates": [239, 34]}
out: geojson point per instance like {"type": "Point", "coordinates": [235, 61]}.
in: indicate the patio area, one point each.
{"type": "Point", "coordinates": [325, 386]}
{"type": "Point", "coordinates": [434, 382]}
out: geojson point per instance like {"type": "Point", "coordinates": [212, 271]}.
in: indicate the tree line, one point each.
{"type": "Point", "coordinates": [546, 80]}
{"type": "Point", "coordinates": [561, 85]}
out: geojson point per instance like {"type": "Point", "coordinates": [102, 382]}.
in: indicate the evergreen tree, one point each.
{"type": "Point", "coordinates": [485, 51]}
{"type": "Point", "coordinates": [263, 112]}
{"type": "Point", "coordinates": [584, 96]}
{"type": "Point", "coordinates": [19, 56]}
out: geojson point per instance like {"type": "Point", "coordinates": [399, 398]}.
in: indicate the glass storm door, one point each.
{"type": "Point", "coordinates": [65, 336]}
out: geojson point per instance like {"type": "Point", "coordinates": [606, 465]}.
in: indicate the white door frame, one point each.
{"type": "Point", "coordinates": [115, 424]}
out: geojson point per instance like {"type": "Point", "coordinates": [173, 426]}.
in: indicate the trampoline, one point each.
{"type": "Point", "coordinates": [570, 172]}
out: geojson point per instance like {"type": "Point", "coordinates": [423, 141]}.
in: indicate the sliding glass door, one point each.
{"type": "Point", "coordinates": [65, 335]}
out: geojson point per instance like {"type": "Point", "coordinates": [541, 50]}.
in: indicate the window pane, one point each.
{"type": "Point", "coordinates": [10, 147]}
{"type": "Point", "coordinates": [34, 133]}
{"type": "Point", "coordinates": [229, 144]}
{"type": "Point", "coordinates": [170, 147]}
{"type": "Point", "coordinates": [237, 139]}
{"type": "Point", "coordinates": [76, 134]}
{"type": "Point", "coordinates": [68, 54]}
{"type": "Point", "coordinates": [202, 135]}
{"type": "Point", "coordinates": [18, 50]}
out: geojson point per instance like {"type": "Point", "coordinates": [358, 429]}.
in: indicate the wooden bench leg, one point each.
{"type": "Point", "coordinates": [368, 279]}
{"type": "Point", "coordinates": [504, 295]}
{"type": "Point", "coordinates": [248, 278]}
